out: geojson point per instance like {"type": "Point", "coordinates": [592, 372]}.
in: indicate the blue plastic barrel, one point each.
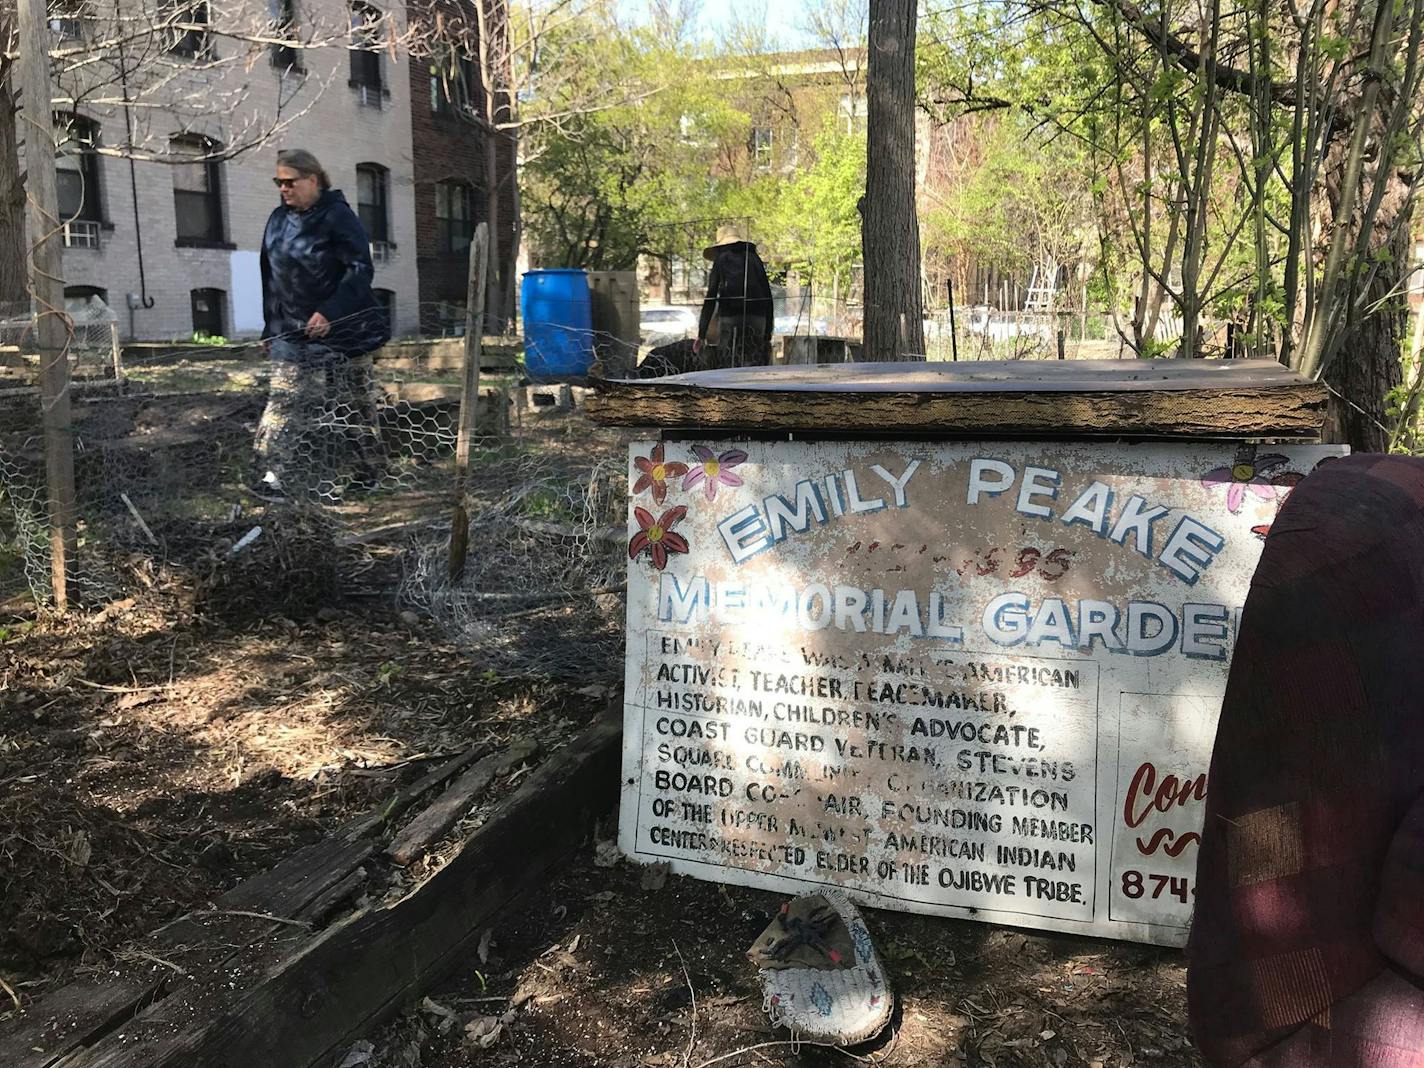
{"type": "Point", "coordinates": [558, 324]}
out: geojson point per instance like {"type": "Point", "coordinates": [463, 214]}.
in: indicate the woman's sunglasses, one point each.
{"type": "Point", "coordinates": [287, 183]}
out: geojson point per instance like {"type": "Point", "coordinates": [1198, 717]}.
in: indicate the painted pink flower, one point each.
{"type": "Point", "coordinates": [1246, 475]}
{"type": "Point", "coordinates": [1286, 481]}
{"type": "Point", "coordinates": [714, 470]}
{"type": "Point", "coordinates": [655, 473]}
{"type": "Point", "coordinates": [656, 535]}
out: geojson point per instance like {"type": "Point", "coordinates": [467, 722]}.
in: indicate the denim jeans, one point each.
{"type": "Point", "coordinates": [320, 426]}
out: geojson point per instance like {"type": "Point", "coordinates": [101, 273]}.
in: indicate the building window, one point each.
{"type": "Point", "coordinates": [853, 111]}
{"type": "Point", "coordinates": [365, 45]}
{"type": "Point", "coordinates": [386, 298]}
{"type": "Point", "coordinates": [372, 182]}
{"type": "Point", "coordinates": [761, 147]}
{"type": "Point", "coordinates": [285, 57]}
{"type": "Point", "coordinates": [197, 192]}
{"type": "Point", "coordinates": [454, 216]}
{"type": "Point", "coordinates": [187, 28]}
{"type": "Point", "coordinates": [77, 168]}
{"type": "Point", "coordinates": [67, 19]}
{"type": "Point", "coordinates": [209, 312]}
{"type": "Point", "coordinates": [452, 85]}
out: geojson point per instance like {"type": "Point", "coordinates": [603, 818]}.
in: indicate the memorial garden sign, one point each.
{"type": "Point", "coordinates": [972, 679]}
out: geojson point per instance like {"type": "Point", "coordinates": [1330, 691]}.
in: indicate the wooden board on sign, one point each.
{"type": "Point", "coordinates": [1080, 398]}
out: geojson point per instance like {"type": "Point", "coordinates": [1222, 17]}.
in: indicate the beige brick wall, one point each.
{"type": "Point", "coordinates": [334, 125]}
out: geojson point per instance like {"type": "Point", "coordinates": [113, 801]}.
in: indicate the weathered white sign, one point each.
{"type": "Point", "coordinates": [978, 680]}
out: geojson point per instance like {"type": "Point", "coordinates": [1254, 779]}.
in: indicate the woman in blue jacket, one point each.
{"type": "Point", "coordinates": [322, 321]}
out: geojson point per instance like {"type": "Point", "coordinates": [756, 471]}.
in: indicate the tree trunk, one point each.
{"type": "Point", "coordinates": [890, 231]}
{"type": "Point", "coordinates": [14, 270]}
{"type": "Point", "coordinates": [509, 292]}
{"type": "Point", "coordinates": [516, 244]}
{"type": "Point", "coordinates": [1367, 367]}
{"type": "Point", "coordinates": [494, 310]}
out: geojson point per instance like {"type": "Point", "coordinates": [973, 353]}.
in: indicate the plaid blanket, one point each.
{"type": "Point", "coordinates": [1307, 946]}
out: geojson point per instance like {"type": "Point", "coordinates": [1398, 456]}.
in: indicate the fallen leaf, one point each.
{"type": "Point", "coordinates": [1046, 1035]}
{"type": "Point", "coordinates": [434, 1008]}
{"type": "Point", "coordinates": [80, 850]}
{"type": "Point", "coordinates": [360, 1053]}
{"type": "Point", "coordinates": [655, 876]}
{"type": "Point", "coordinates": [484, 1031]}
{"type": "Point", "coordinates": [606, 854]}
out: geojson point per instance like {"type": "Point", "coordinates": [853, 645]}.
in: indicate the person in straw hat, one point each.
{"type": "Point", "coordinates": [739, 296]}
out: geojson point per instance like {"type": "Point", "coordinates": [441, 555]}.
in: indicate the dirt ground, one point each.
{"type": "Point", "coordinates": [195, 725]}
{"type": "Point", "coordinates": [127, 799]}
{"type": "Point", "coordinates": [155, 751]}
{"type": "Point", "coordinates": [605, 966]}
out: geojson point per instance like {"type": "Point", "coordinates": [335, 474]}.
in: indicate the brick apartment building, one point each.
{"type": "Point", "coordinates": [787, 97]}
{"type": "Point", "coordinates": [451, 173]}
{"type": "Point", "coordinates": [196, 228]}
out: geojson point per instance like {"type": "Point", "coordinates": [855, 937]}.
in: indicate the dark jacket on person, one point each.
{"type": "Point", "coordinates": [737, 287]}
{"type": "Point", "coordinates": [319, 260]}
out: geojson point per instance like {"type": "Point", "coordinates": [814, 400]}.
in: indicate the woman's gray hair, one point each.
{"type": "Point", "coordinates": [303, 162]}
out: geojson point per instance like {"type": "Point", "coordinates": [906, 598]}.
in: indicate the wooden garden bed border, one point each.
{"type": "Point", "coordinates": [291, 998]}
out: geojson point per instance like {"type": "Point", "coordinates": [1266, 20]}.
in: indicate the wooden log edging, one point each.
{"type": "Point", "coordinates": [308, 997]}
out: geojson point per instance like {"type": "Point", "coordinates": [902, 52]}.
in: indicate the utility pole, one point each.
{"type": "Point", "coordinates": [53, 329]}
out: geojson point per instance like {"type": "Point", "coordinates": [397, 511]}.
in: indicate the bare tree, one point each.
{"type": "Point", "coordinates": [840, 26]}
{"type": "Point", "coordinates": [890, 235]}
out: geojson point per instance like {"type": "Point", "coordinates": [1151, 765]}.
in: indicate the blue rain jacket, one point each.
{"type": "Point", "coordinates": [319, 260]}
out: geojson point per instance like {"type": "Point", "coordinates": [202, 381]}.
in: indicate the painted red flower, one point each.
{"type": "Point", "coordinates": [656, 535]}
{"type": "Point", "coordinates": [713, 470]}
{"type": "Point", "coordinates": [1246, 475]}
{"type": "Point", "coordinates": [655, 473]}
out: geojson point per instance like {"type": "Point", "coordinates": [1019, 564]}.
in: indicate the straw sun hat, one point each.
{"type": "Point", "coordinates": [727, 234]}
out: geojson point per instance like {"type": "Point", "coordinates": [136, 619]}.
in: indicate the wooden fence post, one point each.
{"type": "Point", "coordinates": [53, 328]}
{"type": "Point", "coordinates": [469, 399]}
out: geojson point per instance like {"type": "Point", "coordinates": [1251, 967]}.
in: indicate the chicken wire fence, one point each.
{"type": "Point", "coordinates": [171, 445]}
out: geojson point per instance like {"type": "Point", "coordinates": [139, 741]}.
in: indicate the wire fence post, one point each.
{"type": "Point", "coordinates": [469, 399]}
{"type": "Point", "coordinates": [52, 327]}
{"type": "Point", "coordinates": [116, 353]}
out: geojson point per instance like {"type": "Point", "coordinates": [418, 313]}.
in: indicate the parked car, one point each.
{"type": "Point", "coordinates": [660, 323]}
